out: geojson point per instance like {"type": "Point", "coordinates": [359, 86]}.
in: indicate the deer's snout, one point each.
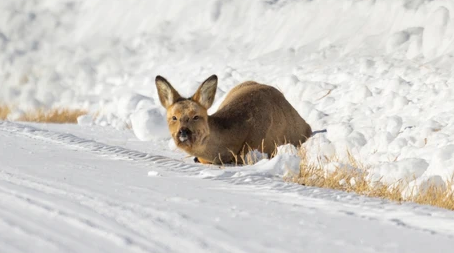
{"type": "Point", "coordinates": [184, 133]}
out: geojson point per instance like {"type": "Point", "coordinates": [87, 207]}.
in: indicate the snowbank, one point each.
{"type": "Point", "coordinates": [375, 74]}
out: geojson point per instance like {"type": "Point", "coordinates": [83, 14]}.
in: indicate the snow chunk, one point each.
{"type": "Point", "coordinates": [442, 163]}
{"type": "Point", "coordinates": [392, 172]}
{"type": "Point", "coordinates": [434, 31]}
{"type": "Point", "coordinates": [85, 120]}
{"type": "Point", "coordinates": [149, 124]}
{"type": "Point", "coordinates": [394, 124]}
{"type": "Point", "coordinates": [338, 131]}
{"type": "Point", "coordinates": [396, 40]}
{"type": "Point", "coordinates": [286, 161]}
{"type": "Point", "coordinates": [129, 103]}
{"type": "Point", "coordinates": [153, 173]}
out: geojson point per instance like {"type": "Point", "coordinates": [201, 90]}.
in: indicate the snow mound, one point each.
{"type": "Point", "coordinates": [149, 124]}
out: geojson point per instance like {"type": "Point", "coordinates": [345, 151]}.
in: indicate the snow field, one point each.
{"type": "Point", "coordinates": [375, 74]}
{"type": "Point", "coordinates": [86, 189]}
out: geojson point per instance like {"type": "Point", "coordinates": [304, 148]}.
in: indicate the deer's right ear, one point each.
{"type": "Point", "coordinates": [206, 92]}
{"type": "Point", "coordinates": [167, 94]}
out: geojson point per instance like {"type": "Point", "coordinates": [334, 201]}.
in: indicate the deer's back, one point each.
{"type": "Point", "coordinates": [259, 115]}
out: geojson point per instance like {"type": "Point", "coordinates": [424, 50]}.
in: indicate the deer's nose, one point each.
{"type": "Point", "coordinates": [184, 132]}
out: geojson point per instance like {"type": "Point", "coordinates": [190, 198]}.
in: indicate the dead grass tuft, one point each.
{"type": "Point", "coordinates": [437, 196]}
{"type": "Point", "coordinates": [58, 115]}
{"type": "Point", "coordinates": [4, 111]}
{"type": "Point", "coordinates": [351, 176]}
{"type": "Point", "coordinates": [53, 116]}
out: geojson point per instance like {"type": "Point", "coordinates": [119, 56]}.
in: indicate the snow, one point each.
{"type": "Point", "coordinates": [153, 173]}
{"type": "Point", "coordinates": [72, 191]}
{"type": "Point", "coordinates": [376, 75]}
{"type": "Point", "coordinates": [149, 124]}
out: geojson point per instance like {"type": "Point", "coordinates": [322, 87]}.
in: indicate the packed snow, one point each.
{"type": "Point", "coordinates": [70, 188]}
{"type": "Point", "coordinates": [372, 78]}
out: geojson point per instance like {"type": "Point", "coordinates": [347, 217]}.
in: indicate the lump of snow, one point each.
{"type": "Point", "coordinates": [395, 102]}
{"type": "Point", "coordinates": [352, 181]}
{"type": "Point", "coordinates": [149, 124]}
{"type": "Point", "coordinates": [85, 120]}
{"type": "Point", "coordinates": [318, 147]}
{"type": "Point", "coordinates": [400, 102]}
{"type": "Point", "coordinates": [342, 181]}
{"type": "Point", "coordinates": [442, 163]}
{"type": "Point", "coordinates": [153, 173]}
{"type": "Point", "coordinates": [128, 103]}
{"type": "Point", "coordinates": [394, 124]}
{"type": "Point", "coordinates": [338, 131]}
{"type": "Point", "coordinates": [392, 172]}
{"type": "Point", "coordinates": [286, 161]}
{"type": "Point", "coordinates": [287, 149]}
{"type": "Point", "coordinates": [397, 145]}
{"type": "Point", "coordinates": [172, 145]}
{"type": "Point", "coordinates": [305, 108]}
{"type": "Point", "coordinates": [382, 140]}
{"type": "Point", "coordinates": [434, 31]}
{"type": "Point", "coordinates": [365, 65]}
{"type": "Point", "coordinates": [286, 81]}
{"type": "Point", "coordinates": [396, 40]}
{"type": "Point", "coordinates": [359, 93]}
{"type": "Point", "coordinates": [357, 139]}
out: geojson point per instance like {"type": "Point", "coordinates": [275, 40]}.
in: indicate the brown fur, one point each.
{"type": "Point", "coordinates": [253, 115]}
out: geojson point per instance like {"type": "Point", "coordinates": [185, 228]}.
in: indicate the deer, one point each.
{"type": "Point", "coordinates": [252, 116]}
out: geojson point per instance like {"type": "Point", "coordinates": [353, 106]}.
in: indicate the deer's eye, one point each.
{"type": "Point", "coordinates": [196, 118]}
{"type": "Point", "coordinates": [174, 118]}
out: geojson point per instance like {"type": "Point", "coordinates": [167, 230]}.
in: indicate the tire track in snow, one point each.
{"type": "Point", "coordinates": [11, 228]}
{"type": "Point", "coordinates": [310, 195]}
{"type": "Point", "coordinates": [11, 217]}
{"type": "Point", "coordinates": [152, 222]}
{"type": "Point", "coordinates": [97, 147]}
{"type": "Point", "coordinates": [32, 204]}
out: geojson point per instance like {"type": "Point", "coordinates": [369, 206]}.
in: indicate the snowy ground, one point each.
{"type": "Point", "coordinates": [377, 75]}
{"type": "Point", "coordinates": [63, 189]}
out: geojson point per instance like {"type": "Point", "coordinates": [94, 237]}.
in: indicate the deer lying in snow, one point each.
{"type": "Point", "coordinates": [252, 116]}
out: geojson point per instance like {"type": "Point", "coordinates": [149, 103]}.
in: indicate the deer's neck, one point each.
{"type": "Point", "coordinates": [221, 143]}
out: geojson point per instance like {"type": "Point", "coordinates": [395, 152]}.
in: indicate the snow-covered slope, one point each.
{"type": "Point", "coordinates": [375, 74]}
{"type": "Point", "coordinates": [63, 189]}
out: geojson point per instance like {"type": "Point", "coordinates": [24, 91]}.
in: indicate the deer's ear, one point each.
{"type": "Point", "coordinates": [167, 94]}
{"type": "Point", "coordinates": [206, 92]}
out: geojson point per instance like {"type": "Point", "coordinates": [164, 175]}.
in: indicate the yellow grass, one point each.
{"type": "Point", "coordinates": [58, 115]}
{"type": "Point", "coordinates": [53, 116]}
{"type": "Point", "coordinates": [355, 180]}
{"type": "Point", "coordinates": [4, 111]}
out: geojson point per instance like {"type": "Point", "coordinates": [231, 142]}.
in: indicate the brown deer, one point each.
{"type": "Point", "coordinates": [252, 116]}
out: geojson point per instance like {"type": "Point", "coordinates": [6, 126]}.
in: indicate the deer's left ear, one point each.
{"type": "Point", "coordinates": [206, 92]}
{"type": "Point", "coordinates": [167, 94]}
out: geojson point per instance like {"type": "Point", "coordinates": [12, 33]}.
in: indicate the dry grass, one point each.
{"type": "Point", "coordinates": [353, 178]}
{"type": "Point", "coordinates": [4, 111]}
{"type": "Point", "coordinates": [437, 196]}
{"type": "Point", "coordinates": [46, 116]}
{"type": "Point", "coordinates": [53, 116]}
